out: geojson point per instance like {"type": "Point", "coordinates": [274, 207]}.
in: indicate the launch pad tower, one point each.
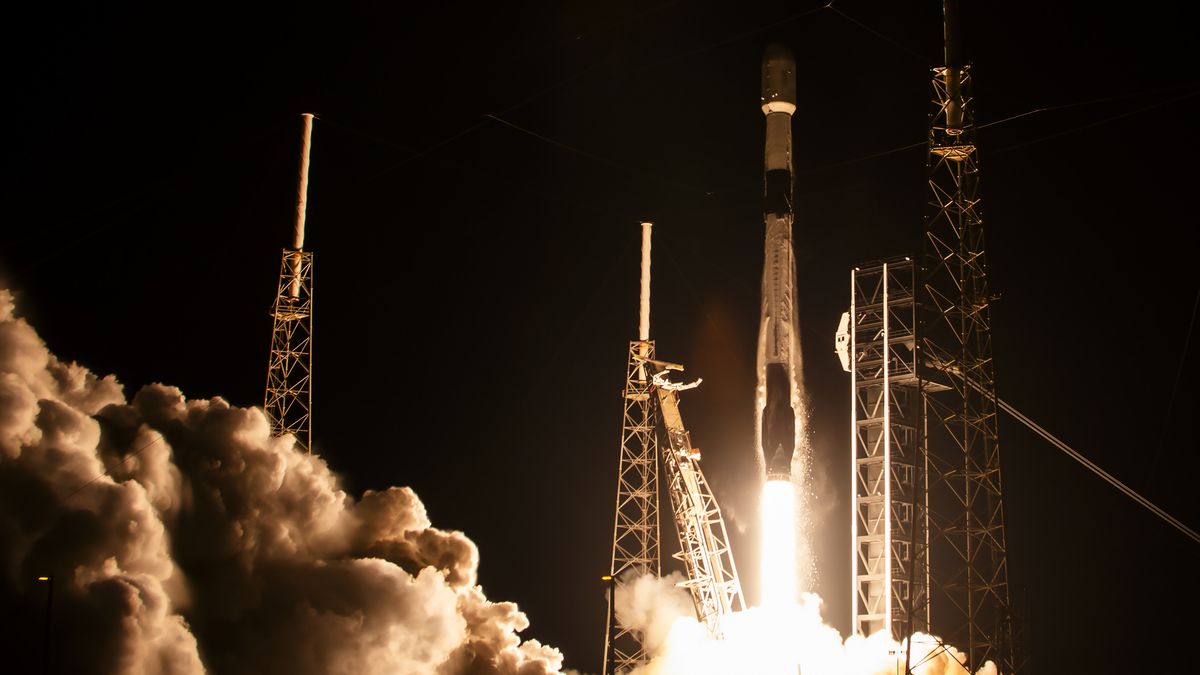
{"type": "Point", "coordinates": [971, 607]}
{"type": "Point", "coordinates": [288, 400]}
{"type": "Point", "coordinates": [650, 399]}
{"type": "Point", "coordinates": [636, 531]}
{"type": "Point", "coordinates": [928, 523]}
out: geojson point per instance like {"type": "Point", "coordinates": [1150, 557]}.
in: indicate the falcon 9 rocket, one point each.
{"type": "Point", "coordinates": [777, 412]}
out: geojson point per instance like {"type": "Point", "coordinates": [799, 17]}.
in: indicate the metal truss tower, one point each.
{"type": "Point", "coordinates": [288, 400]}
{"type": "Point", "coordinates": [703, 540]}
{"type": "Point", "coordinates": [876, 342]}
{"type": "Point", "coordinates": [636, 534]}
{"type": "Point", "coordinates": [971, 607]}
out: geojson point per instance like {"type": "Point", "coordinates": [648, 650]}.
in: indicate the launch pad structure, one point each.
{"type": "Point", "coordinates": [288, 399]}
{"type": "Point", "coordinates": [927, 529]}
{"type": "Point", "coordinates": [890, 542]}
{"type": "Point", "coordinates": [928, 534]}
{"type": "Point", "coordinates": [965, 507]}
{"type": "Point", "coordinates": [636, 531]}
{"type": "Point", "coordinates": [650, 402]}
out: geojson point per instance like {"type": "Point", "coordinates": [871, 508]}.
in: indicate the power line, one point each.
{"type": "Point", "coordinates": [109, 470]}
{"type": "Point", "coordinates": [1091, 466]}
{"type": "Point", "coordinates": [1097, 123]}
{"type": "Point", "coordinates": [1028, 113]}
{"type": "Point", "coordinates": [528, 99]}
{"type": "Point", "coordinates": [742, 35]}
{"type": "Point", "coordinates": [895, 43]}
{"type": "Point", "coordinates": [1187, 342]}
{"type": "Point", "coordinates": [598, 158]}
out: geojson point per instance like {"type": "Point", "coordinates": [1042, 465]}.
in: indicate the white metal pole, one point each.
{"type": "Point", "coordinates": [644, 322]}
{"type": "Point", "coordinates": [302, 188]}
{"type": "Point", "coordinates": [301, 203]}
{"type": "Point", "coordinates": [644, 313]}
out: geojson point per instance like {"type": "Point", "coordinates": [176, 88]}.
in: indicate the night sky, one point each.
{"type": "Point", "coordinates": [477, 178]}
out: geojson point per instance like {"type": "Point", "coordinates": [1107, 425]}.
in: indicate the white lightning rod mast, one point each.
{"type": "Point", "coordinates": [288, 400]}
{"type": "Point", "coordinates": [644, 314]}
{"type": "Point", "coordinates": [636, 551]}
{"type": "Point", "coordinates": [301, 203]}
{"type": "Point", "coordinates": [644, 322]}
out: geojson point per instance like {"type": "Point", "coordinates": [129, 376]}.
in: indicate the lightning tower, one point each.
{"type": "Point", "coordinates": [635, 550]}
{"type": "Point", "coordinates": [971, 607]}
{"type": "Point", "coordinates": [288, 400]}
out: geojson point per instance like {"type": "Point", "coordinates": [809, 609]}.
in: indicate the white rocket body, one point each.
{"type": "Point", "coordinates": [777, 412]}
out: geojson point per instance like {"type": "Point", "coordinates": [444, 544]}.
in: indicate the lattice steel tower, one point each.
{"type": "Point", "coordinates": [876, 343]}
{"type": "Point", "coordinates": [636, 533]}
{"type": "Point", "coordinates": [971, 607]}
{"type": "Point", "coordinates": [288, 401]}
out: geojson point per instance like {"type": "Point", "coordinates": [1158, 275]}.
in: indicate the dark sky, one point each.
{"type": "Point", "coordinates": [476, 280]}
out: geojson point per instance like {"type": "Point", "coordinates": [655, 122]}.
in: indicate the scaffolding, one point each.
{"type": "Point", "coordinates": [889, 540]}
{"type": "Point", "coordinates": [288, 401]}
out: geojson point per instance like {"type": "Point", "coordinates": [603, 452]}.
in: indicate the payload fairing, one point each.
{"type": "Point", "coordinates": [778, 406]}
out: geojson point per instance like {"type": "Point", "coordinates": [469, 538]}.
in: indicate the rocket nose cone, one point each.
{"type": "Point", "coordinates": [778, 76]}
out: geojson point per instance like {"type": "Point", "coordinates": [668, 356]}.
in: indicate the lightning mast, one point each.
{"type": "Point", "coordinates": [962, 445]}
{"type": "Point", "coordinates": [288, 400]}
{"type": "Point", "coordinates": [635, 550]}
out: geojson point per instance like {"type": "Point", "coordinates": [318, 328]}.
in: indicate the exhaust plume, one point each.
{"type": "Point", "coordinates": [181, 538]}
{"type": "Point", "coordinates": [790, 640]}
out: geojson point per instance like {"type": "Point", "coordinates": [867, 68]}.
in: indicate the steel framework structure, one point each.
{"type": "Point", "coordinates": [636, 534]}
{"type": "Point", "coordinates": [704, 549]}
{"type": "Point", "coordinates": [288, 399]}
{"type": "Point", "coordinates": [890, 543]}
{"type": "Point", "coordinates": [965, 516]}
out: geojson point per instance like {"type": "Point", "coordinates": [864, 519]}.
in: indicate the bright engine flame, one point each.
{"type": "Point", "coordinates": [785, 635]}
{"type": "Point", "coordinates": [778, 545]}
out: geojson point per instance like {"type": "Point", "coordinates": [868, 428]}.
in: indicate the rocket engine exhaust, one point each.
{"type": "Point", "coordinates": [777, 412]}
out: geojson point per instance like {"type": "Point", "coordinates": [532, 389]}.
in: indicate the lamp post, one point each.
{"type": "Point", "coordinates": [608, 643]}
{"type": "Point", "coordinates": [49, 581]}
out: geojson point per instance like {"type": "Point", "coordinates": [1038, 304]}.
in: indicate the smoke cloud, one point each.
{"type": "Point", "coordinates": [791, 640]}
{"type": "Point", "coordinates": [182, 538]}
{"type": "Point", "coordinates": [652, 605]}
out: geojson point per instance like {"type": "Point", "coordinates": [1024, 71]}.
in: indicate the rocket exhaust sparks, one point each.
{"type": "Point", "coordinates": [778, 405]}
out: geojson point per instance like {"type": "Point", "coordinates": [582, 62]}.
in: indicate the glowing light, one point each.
{"type": "Point", "coordinates": [796, 640]}
{"type": "Point", "coordinates": [43, 578]}
{"type": "Point", "coordinates": [778, 545]}
{"type": "Point", "coordinates": [786, 634]}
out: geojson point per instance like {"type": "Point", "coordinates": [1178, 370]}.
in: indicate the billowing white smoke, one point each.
{"type": "Point", "coordinates": [209, 546]}
{"type": "Point", "coordinates": [653, 605]}
{"type": "Point", "coordinates": [770, 640]}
